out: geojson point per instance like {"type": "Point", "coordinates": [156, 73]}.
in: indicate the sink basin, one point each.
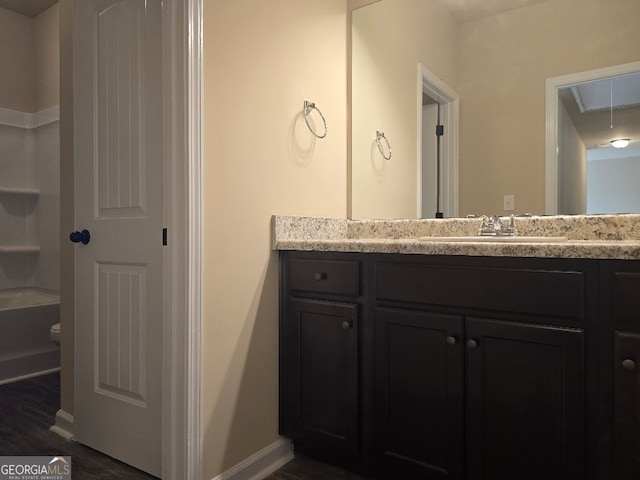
{"type": "Point", "coordinates": [495, 239]}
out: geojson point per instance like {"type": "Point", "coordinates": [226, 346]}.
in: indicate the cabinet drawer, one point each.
{"type": "Point", "coordinates": [340, 277]}
{"type": "Point", "coordinates": [543, 292]}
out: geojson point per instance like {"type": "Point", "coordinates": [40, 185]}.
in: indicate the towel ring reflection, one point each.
{"type": "Point", "coordinates": [308, 106]}
{"type": "Point", "coordinates": [380, 135]}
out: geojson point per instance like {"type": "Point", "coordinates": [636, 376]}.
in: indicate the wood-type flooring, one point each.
{"type": "Point", "coordinates": [28, 408]}
{"type": "Point", "coordinates": [305, 468]}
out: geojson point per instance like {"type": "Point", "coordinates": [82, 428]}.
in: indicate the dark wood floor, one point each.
{"type": "Point", "coordinates": [305, 468]}
{"type": "Point", "coordinates": [27, 410]}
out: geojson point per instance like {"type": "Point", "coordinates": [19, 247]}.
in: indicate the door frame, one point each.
{"type": "Point", "coordinates": [449, 100]}
{"type": "Point", "coordinates": [182, 360]}
{"type": "Point", "coordinates": [182, 284]}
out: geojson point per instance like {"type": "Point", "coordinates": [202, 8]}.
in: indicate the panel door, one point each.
{"type": "Point", "coordinates": [118, 198]}
{"type": "Point", "coordinates": [419, 394]}
{"type": "Point", "coordinates": [525, 402]}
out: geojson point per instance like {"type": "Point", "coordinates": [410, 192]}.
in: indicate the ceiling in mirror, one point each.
{"type": "Point", "coordinates": [616, 92]}
{"type": "Point", "coordinates": [28, 8]}
{"type": "Point", "coordinates": [471, 10]}
{"type": "Point", "coordinates": [604, 110]}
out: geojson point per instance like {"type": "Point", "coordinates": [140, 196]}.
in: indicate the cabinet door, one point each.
{"type": "Point", "coordinates": [323, 370]}
{"type": "Point", "coordinates": [418, 395]}
{"type": "Point", "coordinates": [525, 415]}
{"type": "Point", "coordinates": [627, 406]}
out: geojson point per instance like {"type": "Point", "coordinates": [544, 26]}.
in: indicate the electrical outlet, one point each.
{"type": "Point", "coordinates": [509, 203]}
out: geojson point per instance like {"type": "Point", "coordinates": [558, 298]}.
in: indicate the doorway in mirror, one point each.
{"type": "Point", "coordinates": [438, 109]}
{"type": "Point", "coordinates": [586, 172]}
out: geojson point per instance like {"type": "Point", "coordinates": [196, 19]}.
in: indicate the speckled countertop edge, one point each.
{"type": "Point", "coordinates": [597, 236]}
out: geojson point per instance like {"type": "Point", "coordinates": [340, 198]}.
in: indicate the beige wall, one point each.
{"type": "Point", "coordinates": [46, 59]}
{"type": "Point", "coordinates": [613, 183]}
{"type": "Point", "coordinates": [504, 63]}
{"type": "Point", "coordinates": [388, 40]}
{"type": "Point", "coordinates": [572, 167]}
{"type": "Point", "coordinates": [29, 55]}
{"type": "Point", "coordinates": [261, 61]}
{"type": "Point", "coordinates": [17, 72]}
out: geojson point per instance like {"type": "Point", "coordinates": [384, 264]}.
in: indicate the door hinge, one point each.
{"type": "Point", "coordinates": [439, 130]}
{"type": "Point", "coordinates": [164, 236]}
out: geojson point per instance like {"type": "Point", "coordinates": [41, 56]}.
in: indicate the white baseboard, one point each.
{"type": "Point", "coordinates": [64, 425]}
{"type": "Point", "coordinates": [261, 464]}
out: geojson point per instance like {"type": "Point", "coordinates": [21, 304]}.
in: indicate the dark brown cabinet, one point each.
{"type": "Point", "coordinates": [419, 402]}
{"type": "Point", "coordinates": [627, 406]}
{"type": "Point", "coordinates": [524, 398]}
{"type": "Point", "coordinates": [480, 368]}
{"type": "Point", "coordinates": [620, 370]}
{"type": "Point", "coordinates": [524, 416]}
{"type": "Point", "coordinates": [462, 368]}
{"type": "Point", "coordinates": [319, 353]}
{"type": "Point", "coordinates": [324, 372]}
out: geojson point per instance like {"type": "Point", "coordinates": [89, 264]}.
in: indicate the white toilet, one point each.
{"type": "Point", "coordinates": [54, 333]}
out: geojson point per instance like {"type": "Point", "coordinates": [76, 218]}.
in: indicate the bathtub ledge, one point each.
{"type": "Point", "coordinates": [19, 249]}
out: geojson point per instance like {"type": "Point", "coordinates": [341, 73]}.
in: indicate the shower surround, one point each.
{"type": "Point", "coordinates": [29, 240]}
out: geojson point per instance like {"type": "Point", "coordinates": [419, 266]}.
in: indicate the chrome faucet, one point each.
{"type": "Point", "coordinates": [496, 226]}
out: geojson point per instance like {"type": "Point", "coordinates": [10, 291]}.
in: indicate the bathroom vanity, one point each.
{"type": "Point", "coordinates": [435, 363]}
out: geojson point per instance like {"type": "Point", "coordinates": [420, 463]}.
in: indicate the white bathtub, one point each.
{"type": "Point", "coordinates": [26, 315]}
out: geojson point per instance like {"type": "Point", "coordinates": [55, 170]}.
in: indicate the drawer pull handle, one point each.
{"type": "Point", "coordinates": [472, 343]}
{"type": "Point", "coordinates": [320, 276]}
{"type": "Point", "coordinates": [629, 364]}
{"type": "Point", "coordinates": [346, 325]}
{"type": "Point", "coordinates": [451, 340]}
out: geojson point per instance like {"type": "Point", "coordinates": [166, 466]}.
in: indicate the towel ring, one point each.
{"type": "Point", "coordinates": [308, 106]}
{"type": "Point", "coordinates": [380, 135]}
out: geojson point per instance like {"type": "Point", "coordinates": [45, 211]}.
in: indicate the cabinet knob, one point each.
{"type": "Point", "coordinates": [472, 343]}
{"type": "Point", "coordinates": [320, 276]}
{"type": "Point", "coordinates": [346, 325]}
{"type": "Point", "coordinates": [629, 364]}
{"type": "Point", "coordinates": [451, 340]}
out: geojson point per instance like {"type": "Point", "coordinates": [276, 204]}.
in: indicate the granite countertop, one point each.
{"type": "Point", "coordinates": [589, 236]}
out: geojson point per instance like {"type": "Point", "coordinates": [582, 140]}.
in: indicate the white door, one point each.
{"type": "Point", "coordinates": [429, 156]}
{"type": "Point", "coordinates": [119, 200]}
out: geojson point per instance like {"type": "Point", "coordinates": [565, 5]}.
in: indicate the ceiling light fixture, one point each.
{"type": "Point", "coordinates": [620, 142]}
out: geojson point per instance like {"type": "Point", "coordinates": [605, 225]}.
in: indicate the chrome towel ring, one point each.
{"type": "Point", "coordinates": [308, 106]}
{"type": "Point", "coordinates": [380, 135]}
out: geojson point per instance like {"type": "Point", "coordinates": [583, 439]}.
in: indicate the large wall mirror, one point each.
{"type": "Point", "coordinates": [497, 56]}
